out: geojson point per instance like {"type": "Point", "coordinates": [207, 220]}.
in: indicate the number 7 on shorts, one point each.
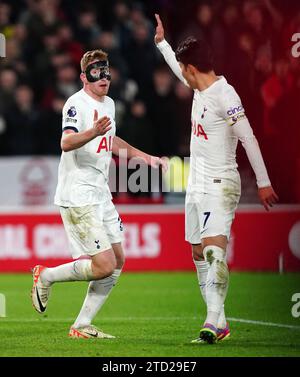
{"type": "Point", "coordinates": [206, 216]}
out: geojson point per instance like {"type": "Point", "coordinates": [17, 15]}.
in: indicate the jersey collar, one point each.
{"type": "Point", "coordinates": [90, 99]}
{"type": "Point", "coordinates": [214, 86]}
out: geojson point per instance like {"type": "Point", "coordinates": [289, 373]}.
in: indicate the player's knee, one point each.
{"type": "Point", "coordinates": [103, 272]}
{"type": "Point", "coordinates": [104, 269]}
{"type": "Point", "coordinates": [212, 253]}
{"type": "Point", "coordinates": [108, 269]}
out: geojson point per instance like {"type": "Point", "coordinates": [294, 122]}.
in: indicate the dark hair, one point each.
{"type": "Point", "coordinates": [196, 52]}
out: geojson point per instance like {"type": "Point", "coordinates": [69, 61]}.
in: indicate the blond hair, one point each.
{"type": "Point", "coordinates": [90, 56]}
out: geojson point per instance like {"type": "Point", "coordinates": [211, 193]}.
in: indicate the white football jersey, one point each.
{"type": "Point", "coordinates": [218, 122]}
{"type": "Point", "coordinates": [213, 145]}
{"type": "Point", "coordinates": [83, 172]}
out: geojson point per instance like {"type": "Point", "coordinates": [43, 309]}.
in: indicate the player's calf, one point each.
{"type": "Point", "coordinates": [216, 283]}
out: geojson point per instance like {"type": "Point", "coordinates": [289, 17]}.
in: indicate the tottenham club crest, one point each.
{"type": "Point", "coordinates": [72, 111]}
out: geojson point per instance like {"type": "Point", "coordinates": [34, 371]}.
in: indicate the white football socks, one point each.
{"type": "Point", "coordinates": [216, 282]}
{"type": "Point", "coordinates": [202, 271]}
{"type": "Point", "coordinates": [75, 271]}
{"type": "Point", "coordinates": [98, 292]}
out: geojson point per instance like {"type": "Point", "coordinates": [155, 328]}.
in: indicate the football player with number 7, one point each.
{"type": "Point", "coordinates": [218, 122]}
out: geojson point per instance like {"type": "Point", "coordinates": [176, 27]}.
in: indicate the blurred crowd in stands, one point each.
{"type": "Point", "coordinates": [251, 40]}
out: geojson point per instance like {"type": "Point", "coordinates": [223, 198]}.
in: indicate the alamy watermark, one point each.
{"type": "Point", "coordinates": [296, 47]}
{"type": "Point", "coordinates": [2, 305]}
{"type": "Point", "coordinates": [134, 175]}
{"type": "Point", "coordinates": [2, 46]}
{"type": "Point", "coordinates": [180, 175]}
{"type": "Point", "coordinates": [296, 306]}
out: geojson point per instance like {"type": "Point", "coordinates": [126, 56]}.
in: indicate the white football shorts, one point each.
{"type": "Point", "coordinates": [92, 229]}
{"type": "Point", "coordinates": [211, 213]}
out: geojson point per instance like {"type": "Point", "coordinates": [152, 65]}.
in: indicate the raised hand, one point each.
{"type": "Point", "coordinates": [102, 125]}
{"type": "Point", "coordinates": [267, 196]}
{"type": "Point", "coordinates": [160, 32]}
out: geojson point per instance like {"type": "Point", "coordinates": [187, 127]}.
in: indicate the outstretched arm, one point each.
{"type": "Point", "coordinates": [166, 50]}
{"type": "Point", "coordinates": [120, 145]}
{"type": "Point", "coordinates": [244, 132]}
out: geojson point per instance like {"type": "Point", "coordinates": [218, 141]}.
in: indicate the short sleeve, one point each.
{"type": "Point", "coordinates": [231, 108]}
{"type": "Point", "coordinates": [71, 118]}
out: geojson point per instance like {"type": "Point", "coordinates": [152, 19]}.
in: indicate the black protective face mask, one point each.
{"type": "Point", "coordinates": [98, 71]}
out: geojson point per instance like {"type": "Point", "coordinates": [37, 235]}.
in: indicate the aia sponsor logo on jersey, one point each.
{"type": "Point", "coordinates": [197, 130]}
{"type": "Point", "coordinates": [105, 144]}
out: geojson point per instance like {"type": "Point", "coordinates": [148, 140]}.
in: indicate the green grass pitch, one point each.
{"type": "Point", "coordinates": [153, 314]}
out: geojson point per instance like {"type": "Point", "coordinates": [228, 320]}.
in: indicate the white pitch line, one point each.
{"type": "Point", "coordinates": [241, 320]}
{"type": "Point", "coordinates": [262, 323]}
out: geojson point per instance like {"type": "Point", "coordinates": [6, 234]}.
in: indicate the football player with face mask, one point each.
{"type": "Point", "coordinates": [91, 221]}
